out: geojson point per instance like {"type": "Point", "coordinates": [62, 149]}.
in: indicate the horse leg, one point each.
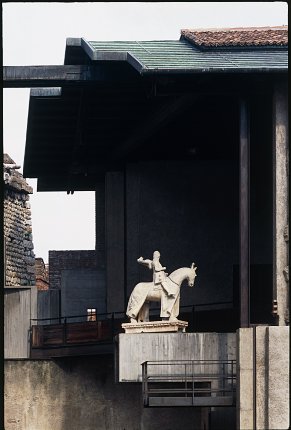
{"type": "Point", "coordinates": [169, 307]}
{"type": "Point", "coordinates": [143, 314]}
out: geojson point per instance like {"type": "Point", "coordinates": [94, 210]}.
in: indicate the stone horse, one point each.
{"type": "Point", "coordinates": [145, 292]}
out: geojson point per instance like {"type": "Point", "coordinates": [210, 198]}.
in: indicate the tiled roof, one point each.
{"type": "Point", "coordinates": [247, 36]}
{"type": "Point", "coordinates": [182, 56]}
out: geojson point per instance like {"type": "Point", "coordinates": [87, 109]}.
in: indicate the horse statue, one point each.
{"type": "Point", "coordinates": [168, 293]}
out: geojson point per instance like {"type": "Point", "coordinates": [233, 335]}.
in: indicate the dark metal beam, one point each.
{"type": "Point", "coordinates": [58, 76]}
{"type": "Point", "coordinates": [157, 119]}
{"type": "Point", "coordinates": [244, 275]}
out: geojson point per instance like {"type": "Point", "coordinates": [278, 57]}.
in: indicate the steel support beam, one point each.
{"type": "Point", "coordinates": [244, 196]}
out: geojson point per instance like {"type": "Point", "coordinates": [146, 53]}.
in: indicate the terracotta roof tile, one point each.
{"type": "Point", "coordinates": [246, 36]}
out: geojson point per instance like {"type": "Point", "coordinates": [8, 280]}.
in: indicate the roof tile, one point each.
{"type": "Point", "coordinates": [246, 36]}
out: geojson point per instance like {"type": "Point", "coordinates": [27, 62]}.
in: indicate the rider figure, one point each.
{"type": "Point", "coordinates": [159, 274]}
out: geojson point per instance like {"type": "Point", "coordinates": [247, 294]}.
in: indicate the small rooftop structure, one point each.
{"type": "Point", "coordinates": [237, 37]}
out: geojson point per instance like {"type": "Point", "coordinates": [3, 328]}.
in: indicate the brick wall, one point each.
{"type": "Point", "coordinates": [63, 260]}
{"type": "Point", "coordinates": [41, 274]}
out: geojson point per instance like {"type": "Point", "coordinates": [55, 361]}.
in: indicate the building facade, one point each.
{"type": "Point", "coordinates": [185, 144]}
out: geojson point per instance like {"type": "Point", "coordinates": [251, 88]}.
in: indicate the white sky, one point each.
{"type": "Point", "coordinates": [35, 34]}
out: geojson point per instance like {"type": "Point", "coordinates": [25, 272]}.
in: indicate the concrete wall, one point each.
{"type": "Point", "coordinates": [134, 349]}
{"type": "Point", "coordinates": [47, 305]}
{"type": "Point", "coordinates": [114, 232]}
{"type": "Point", "coordinates": [81, 281]}
{"type": "Point", "coordinates": [82, 289]}
{"type": "Point", "coordinates": [19, 306]}
{"type": "Point", "coordinates": [281, 191]}
{"type": "Point", "coordinates": [189, 212]}
{"type": "Point", "coordinates": [80, 393]}
{"type": "Point", "coordinates": [263, 378]}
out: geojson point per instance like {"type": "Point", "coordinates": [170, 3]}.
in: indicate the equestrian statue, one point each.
{"type": "Point", "coordinates": [164, 288]}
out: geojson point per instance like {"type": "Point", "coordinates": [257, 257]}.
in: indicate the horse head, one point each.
{"type": "Point", "coordinates": [192, 275]}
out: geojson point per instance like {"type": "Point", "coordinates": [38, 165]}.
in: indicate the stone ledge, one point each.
{"type": "Point", "coordinates": [155, 327]}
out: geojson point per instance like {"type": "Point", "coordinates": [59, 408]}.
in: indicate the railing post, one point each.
{"type": "Point", "coordinates": [60, 305]}
{"type": "Point", "coordinates": [232, 390]}
{"type": "Point", "coordinates": [65, 332]}
{"type": "Point", "coordinates": [223, 379]}
{"type": "Point", "coordinates": [97, 323]}
{"type": "Point", "coordinates": [112, 325]}
{"type": "Point", "coordinates": [193, 386]}
{"type": "Point", "coordinates": [145, 383]}
{"type": "Point", "coordinates": [193, 318]}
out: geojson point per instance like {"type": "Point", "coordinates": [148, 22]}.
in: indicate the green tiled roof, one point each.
{"type": "Point", "coordinates": [182, 56]}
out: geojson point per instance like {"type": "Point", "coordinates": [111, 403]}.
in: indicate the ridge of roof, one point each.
{"type": "Point", "coordinates": [237, 36]}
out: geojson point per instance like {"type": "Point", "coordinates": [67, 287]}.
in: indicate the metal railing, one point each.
{"type": "Point", "coordinates": [75, 329]}
{"type": "Point", "coordinates": [190, 309]}
{"type": "Point", "coordinates": [108, 325]}
{"type": "Point", "coordinates": [189, 383]}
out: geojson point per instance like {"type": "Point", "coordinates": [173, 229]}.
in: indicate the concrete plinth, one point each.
{"type": "Point", "coordinates": [155, 327]}
{"type": "Point", "coordinates": [132, 349]}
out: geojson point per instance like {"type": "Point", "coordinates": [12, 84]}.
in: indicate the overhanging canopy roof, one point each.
{"type": "Point", "coordinates": [114, 96]}
{"type": "Point", "coordinates": [171, 56]}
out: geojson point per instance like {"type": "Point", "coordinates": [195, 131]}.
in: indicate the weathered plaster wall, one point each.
{"type": "Point", "coordinates": [80, 393]}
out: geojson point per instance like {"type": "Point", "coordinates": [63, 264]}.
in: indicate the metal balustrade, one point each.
{"type": "Point", "coordinates": [189, 383]}
{"type": "Point", "coordinates": [74, 332]}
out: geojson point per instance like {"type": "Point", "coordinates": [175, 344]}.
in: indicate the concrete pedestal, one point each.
{"type": "Point", "coordinates": [155, 327]}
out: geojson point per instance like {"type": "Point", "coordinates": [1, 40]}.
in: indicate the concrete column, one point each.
{"type": "Point", "coordinates": [263, 383]}
{"type": "Point", "coordinates": [245, 388]}
{"type": "Point", "coordinates": [100, 224]}
{"type": "Point", "coordinates": [278, 409]}
{"type": "Point", "coordinates": [280, 168]}
{"type": "Point", "coordinates": [261, 372]}
{"type": "Point", "coordinates": [115, 274]}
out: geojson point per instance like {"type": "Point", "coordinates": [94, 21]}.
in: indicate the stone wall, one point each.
{"type": "Point", "coordinates": [80, 393]}
{"type": "Point", "coordinates": [19, 255]}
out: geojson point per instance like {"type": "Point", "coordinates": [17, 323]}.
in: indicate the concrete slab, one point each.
{"type": "Point", "coordinates": [189, 401]}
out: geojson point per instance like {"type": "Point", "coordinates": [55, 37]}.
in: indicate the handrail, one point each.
{"type": "Point", "coordinates": [110, 314]}
{"type": "Point", "coordinates": [221, 381]}
{"type": "Point", "coordinates": [110, 322]}
{"type": "Point", "coordinates": [72, 316]}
